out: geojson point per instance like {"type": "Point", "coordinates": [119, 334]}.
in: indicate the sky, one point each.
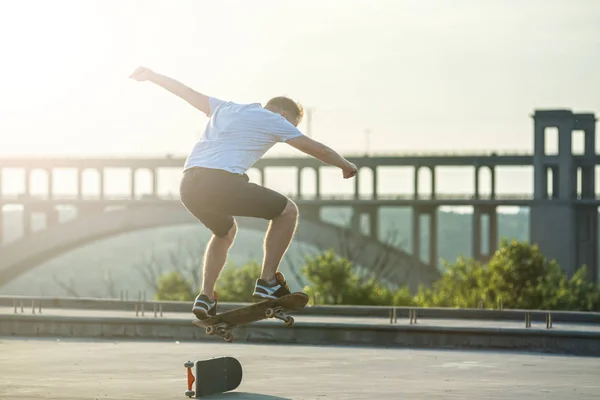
{"type": "Point", "coordinates": [419, 75]}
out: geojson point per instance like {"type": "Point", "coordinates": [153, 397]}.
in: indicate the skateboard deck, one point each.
{"type": "Point", "coordinates": [222, 324]}
{"type": "Point", "coordinates": [216, 375]}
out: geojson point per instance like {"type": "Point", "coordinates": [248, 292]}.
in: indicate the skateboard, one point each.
{"type": "Point", "coordinates": [222, 324]}
{"type": "Point", "coordinates": [216, 375]}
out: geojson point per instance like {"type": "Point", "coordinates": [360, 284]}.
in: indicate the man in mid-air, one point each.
{"type": "Point", "coordinates": [215, 187]}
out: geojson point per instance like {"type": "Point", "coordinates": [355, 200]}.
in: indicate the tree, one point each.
{"type": "Point", "coordinates": [332, 280]}
{"type": "Point", "coordinates": [519, 276]}
{"type": "Point", "coordinates": [462, 285]}
{"type": "Point", "coordinates": [172, 286]}
{"type": "Point", "coordinates": [575, 294]}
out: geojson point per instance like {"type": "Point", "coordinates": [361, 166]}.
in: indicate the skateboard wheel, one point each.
{"type": "Point", "coordinates": [228, 337]}
{"type": "Point", "coordinates": [289, 321]}
{"type": "Point", "coordinates": [190, 393]}
{"type": "Point", "coordinates": [189, 364]}
{"type": "Point", "coordinates": [210, 330]}
{"type": "Point", "coordinates": [269, 313]}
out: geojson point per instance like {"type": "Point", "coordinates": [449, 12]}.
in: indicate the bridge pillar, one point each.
{"type": "Point", "coordinates": [562, 229]}
{"type": "Point", "coordinates": [374, 222]}
{"type": "Point", "coordinates": [299, 181]}
{"type": "Point", "coordinates": [133, 171]}
{"type": "Point", "coordinates": [478, 213]}
{"type": "Point", "coordinates": [310, 212]}
{"type": "Point", "coordinates": [372, 214]}
{"type": "Point", "coordinates": [374, 169]}
{"type": "Point", "coordinates": [101, 183]}
{"type": "Point", "coordinates": [587, 216]}
{"type": "Point", "coordinates": [477, 169]}
{"type": "Point", "coordinates": [492, 181]}
{"type": "Point", "coordinates": [154, 173]}
{"type": "Point", "coordinates": [27, 181]}
{"type": "Point", "coordinates": [355, 219]}
{"type": "Point", "coordinates": [587, 123]}
{"type": "Point", "coordinates": [586, 240]}
{"type": "Point", "coordinates": [80, 183]}
{"type": "Point", "coordinates": [416, 181]}
{"type": "Point", "coordinates": [52, 217]}
{"type": "Point", "coordinates": [431, 213]}
{"type": "Point", "coordinates": [432, 169]}
{"type": "Point", "coordinates": [50, 175]}
{"type": "Point", "coordinates": [27, 228]}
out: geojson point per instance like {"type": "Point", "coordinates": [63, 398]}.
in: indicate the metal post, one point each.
{"type": "Point", "coordinates": [412, 314]}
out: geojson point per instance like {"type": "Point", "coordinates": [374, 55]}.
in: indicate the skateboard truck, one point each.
{"type": "Point", "coordinates": [216, 375]}
{"type": "Point", "coordinates": [190, 379]}
{"type": "Point", "coordinates": [223, 329]}
{"type": "Point", "coordinates": [279, 313]}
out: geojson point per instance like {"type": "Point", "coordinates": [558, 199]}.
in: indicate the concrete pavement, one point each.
{"type": "Point", "coordinates": [81, 369]}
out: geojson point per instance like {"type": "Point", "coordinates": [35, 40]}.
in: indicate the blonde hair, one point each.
{"type": "Point", "coordinates": [288, 105]}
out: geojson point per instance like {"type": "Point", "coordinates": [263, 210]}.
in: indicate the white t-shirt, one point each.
{"type": "Point", "coordinates": [237, 135]}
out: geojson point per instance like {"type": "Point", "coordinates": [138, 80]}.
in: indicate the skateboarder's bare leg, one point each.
{"type": "Point", "coordinates": [277, 240]}
{"type": "Point", "coordinates": [214, 260]}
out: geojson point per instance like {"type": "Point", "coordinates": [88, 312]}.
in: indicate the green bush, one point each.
{"type": "Point", "coordinates": [332, 280]}
{"type": "Point", "coordinates": [518, 276]}
{"type": "Point", "coordinates": [462, 285]}
{"type": "Point", "coordinates": [172, 286]}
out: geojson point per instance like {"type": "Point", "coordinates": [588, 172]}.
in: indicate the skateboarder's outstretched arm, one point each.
{"type": "Point", "coordinates": [324, 153]}
{"type": "Point", "coordinates": [196, 99]}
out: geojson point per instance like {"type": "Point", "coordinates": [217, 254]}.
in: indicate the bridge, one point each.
{"type": "Point", "coordinates": [563, 219]}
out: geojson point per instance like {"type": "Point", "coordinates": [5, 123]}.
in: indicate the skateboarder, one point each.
{"type": "Point", "coordinates": [215, 187]}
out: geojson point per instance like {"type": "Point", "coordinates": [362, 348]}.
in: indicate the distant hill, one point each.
{"type": "Point", "coordinates": [119, 263]}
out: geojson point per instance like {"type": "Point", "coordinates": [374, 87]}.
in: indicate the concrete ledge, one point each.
{"type": "Point", "coordinates": [342, 311]}
{"type": "Point", "coordinates": [413, 336]}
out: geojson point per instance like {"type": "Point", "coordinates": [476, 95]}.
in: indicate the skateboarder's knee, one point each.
{"type": "Point", "coordinates": [232, 232]}
{"type": "Point", "coordinates": [290, 212]}
{"type": "Point", "coordinates": [230, 235]}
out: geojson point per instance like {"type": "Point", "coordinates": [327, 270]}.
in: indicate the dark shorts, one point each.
{"type": "Point", "coordinates": [215, 196]}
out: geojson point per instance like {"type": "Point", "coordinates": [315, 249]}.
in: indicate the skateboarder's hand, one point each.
{"type": "Point", "coordinates": [141, 74]}
{"type": "Point", "coordinates": [349, 171]}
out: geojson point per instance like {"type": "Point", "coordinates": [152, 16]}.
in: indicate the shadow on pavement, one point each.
{"type": "Point", "coordinates": [244, 396]}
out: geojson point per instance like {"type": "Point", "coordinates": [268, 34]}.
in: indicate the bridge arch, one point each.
{"type": "Point", "coordinates": [27, 253]}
